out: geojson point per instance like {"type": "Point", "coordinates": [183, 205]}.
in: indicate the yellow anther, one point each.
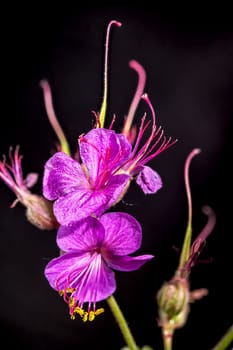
{"type": "Point", "coordinates": [85, 317]}
{"type": "Point", "coordinates": [71, 301]}
{"type": "Point", "coordinates": [99, 311]}
{"type": "Point", "coordinates": [62, 292]}
{"type": "Point", "coordinates": [91, 316]}
{"type": "Point", "coordinates": [79, 311]}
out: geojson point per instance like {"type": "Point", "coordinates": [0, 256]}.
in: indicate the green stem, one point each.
{"type": "Point", "coordinates": [225, 340]}
{"type": "Point", "coordinates": [122, 323]}
{"type": "Point", "coordinates": [186, 246]}
{"type": "Point", "coordinates": [168, 332]}
{"type": "Point", "coordinates": [167, 343]}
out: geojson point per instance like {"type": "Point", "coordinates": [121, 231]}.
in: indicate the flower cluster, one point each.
{"type": "Point", "coordinates": [78, 193]}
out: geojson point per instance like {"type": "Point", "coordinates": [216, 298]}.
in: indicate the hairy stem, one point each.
{"type": "Point", "coordinates": [122, 323]}
{"type": "Point", "coordinates": [225, 340]}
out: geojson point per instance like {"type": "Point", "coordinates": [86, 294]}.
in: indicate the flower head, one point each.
{"type": "Point", "coordinates": [39, 210]}
{"type": "Point", "coordinates": [108, 162]}
{"type": "Point", "coordinates": [89, 188]}
{"type": "Point", "coordinates": [92, 248]}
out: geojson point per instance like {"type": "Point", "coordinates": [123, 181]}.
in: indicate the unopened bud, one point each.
{"type": "Point", "coordinates": [173, 299]}
{"type": "Point", "coordinates": [39, 212]}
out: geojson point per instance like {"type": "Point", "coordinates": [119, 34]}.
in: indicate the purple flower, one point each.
{"type": "Point", "coordinates": [80, 190]}
{"type": "Point", "coordinates": [108, 164]}
{"type": "Point", "coordinates": [92, 248]}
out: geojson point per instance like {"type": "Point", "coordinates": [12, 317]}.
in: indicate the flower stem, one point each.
{"type": "Point", "coordinates": [168, 332]}
{"type": "Point", "coordinates": [167, 343]}
{"type": "Point", "coordinates": [122, 323]}
{"type": "Point", "coordinates": [225, 340]}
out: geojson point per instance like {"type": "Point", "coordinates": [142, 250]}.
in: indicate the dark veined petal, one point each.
{"type": "Point", "coordinates": [98, 282]}
{"type": "Point", "coordinates": [128, 263]}
{"type": "Point", "coordinates": [125, 147]}
{"type": "Point", "coordinates": [62, 175]}
{"type": "Point", "coordinates": [123, 233]}
{"type": "Point", "coordinates": [116, 188]}
{"type": "Point", "coordinates": [87, 274]}
{"type": "Point", "coordinates": [79, 204]}
{"type": "Point", "coordinates": [81, 236]}
{"type": "Point", "coordinates": [57, 271]}
{"type": "Point", "coordinates": [149, 180]}
{"type": "Point", "coordinates": [102, 151]}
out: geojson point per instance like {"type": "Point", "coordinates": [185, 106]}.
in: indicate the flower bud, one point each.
{"type": "Point", "coordinates": [39, 212]}
{"type": "Point", "coordinates": [173, 300]}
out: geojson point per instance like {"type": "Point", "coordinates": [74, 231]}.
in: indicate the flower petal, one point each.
{"type": "Point", "coordinates": [98, 283]}
{"type": "Point", "coordinates": [87, 274]}
{"type": "Point", "coordinates": [128, 263]}
{"type": "Point", "coordinates": [81, 236]}
{"type": "Point", "coordinates": [78, 205]}
{"type": "Point", "coordinates": [123, 233]}
{"type": "Point", "coordinates": [102, 151]}
{"type": "Point", "coordinates": [57, 271]}
{"type": "Point", "coordinates": [62, 175]}
{"type": "Point", "coordinates": [82, 203]}
{"type": "Point", "coordinates": [116, 188]}
{"type": "Point", "coordinates": [149, 180]}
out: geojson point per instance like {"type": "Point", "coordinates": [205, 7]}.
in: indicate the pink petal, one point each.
{"type": "Point", "coordinates": [123, 233]}
{"type": "Point", "coordinates": [81, 203]}
{"type": "Point", "coordinates": [87, 274]}
{"type": "Point", "coordinates": [78, 205]}
{"type": "Point", "coordinates": [149, 180]}
{"type": "Point", "coordinates": [81, 236]}
{"type": "Point", "coordinates": [116, 188]}
{"type": "Point", "coordinates": [128, 263]}
{"type": "Point", "coordinates": [102, 151]}
{"type": "Point", "coordinates": [98, 283]}
{"type": "Point", "coordinates": [57, 271]}
{"type": "Point", "coordinates": [62, 175]}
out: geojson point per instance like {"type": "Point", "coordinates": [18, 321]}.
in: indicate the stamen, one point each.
{"type": "Point", "coordinates": [104, 103]}
{"type": "Point", "coordinates": [146, 98]}
{"type": "Point", "coordinates": [86, 315]}
{"type": "Point", "coordinates": [137, 96]}
{"type": "Point", "coordinates": [52, 116]}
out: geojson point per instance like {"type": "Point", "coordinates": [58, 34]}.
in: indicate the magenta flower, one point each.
{"type": "Point", "coordinates": [108, 164]}
{"type": "Point", "coordinates": [80, 190]}
{"type": "Point", "coordinates": [92, 248]}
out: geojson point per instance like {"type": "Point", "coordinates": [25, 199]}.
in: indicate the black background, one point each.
{"type": "Point", "coordinates": [187, 52]}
